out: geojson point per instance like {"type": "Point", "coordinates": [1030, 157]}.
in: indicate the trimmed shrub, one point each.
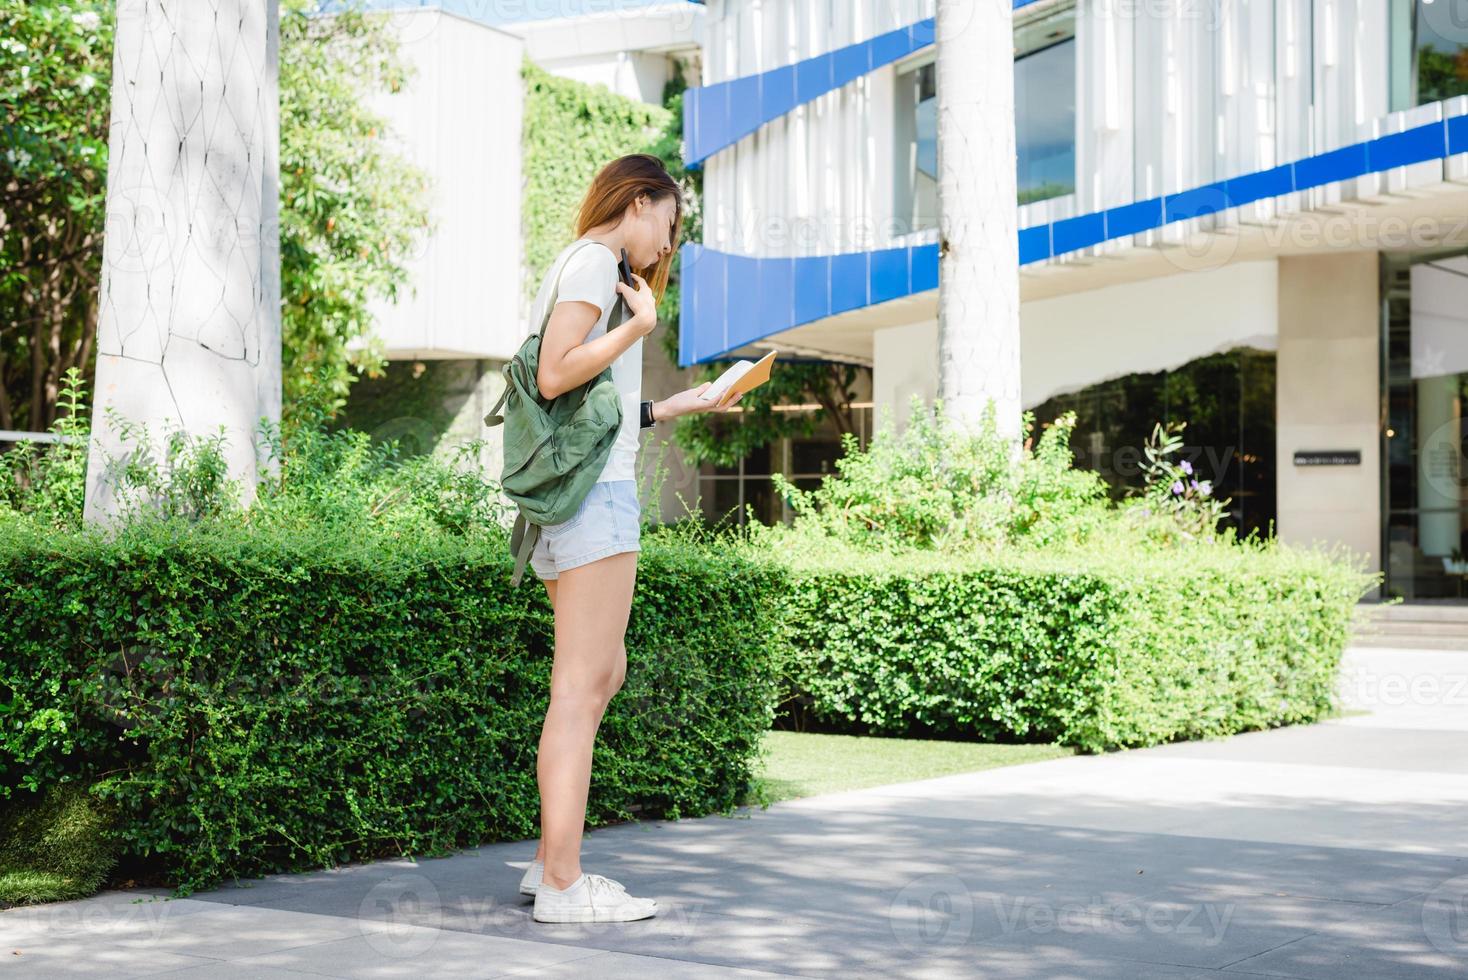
{"type": "Point", "coordinates": [951, 581]}
{"type": "Point", "coordinates": [258, 700]}
{"type": "Point", "coordinates": [1094, 651]}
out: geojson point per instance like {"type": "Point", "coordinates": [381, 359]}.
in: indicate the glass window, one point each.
{"type": "Point", "coordinates": [1429, 51]}
{"type": "Point", "coordinates": [1426, 440]}
{"type": "Point", "coordinates": [1442, 57]}
{"type": "Point", "coordinates": [1045, 120]}
{"type": "Point", "coordinates": [1227, 401]}
{"type": "Point", "coordinates": [1045, 104]}
{"type": "Point", "coordinates": [724, 491]}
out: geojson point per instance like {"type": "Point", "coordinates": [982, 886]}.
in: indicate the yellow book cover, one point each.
{"type": "Point", "coordinates": [742, 376]}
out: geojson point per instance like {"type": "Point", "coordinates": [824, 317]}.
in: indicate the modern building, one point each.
{"type": "Point", "coordinates": [1249, 216]}
{"type": "Point", "coordinates": [459, 118]}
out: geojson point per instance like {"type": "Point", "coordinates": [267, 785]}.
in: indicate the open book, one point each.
{"type": "Point", "coordinates": [741, 377]}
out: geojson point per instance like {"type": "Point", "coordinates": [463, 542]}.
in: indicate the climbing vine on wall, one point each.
{"type": "Point", "coordinates": [571, 130]}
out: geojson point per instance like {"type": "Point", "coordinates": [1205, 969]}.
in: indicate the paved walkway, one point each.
{"type": "Point", "coordinates": [1335, 851]}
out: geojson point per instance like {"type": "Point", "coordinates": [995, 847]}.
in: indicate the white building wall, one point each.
{"type": "Point", "coordinates": [904, 365]}
{"type": "Point", "coordinates": [630, 74]}
{"type": "Point", "coordinates": [633, 52]}
{"type": "Point", "coordinates": [1171, 94]}
{"type": "Point", "coordinates": [1071, 342]}
{"type": "Point", "coordinates": [819, 180]}
{"type": "Point", "coordinates": [459, 119]}
{"type": "Point", "coordinates": [1085, 338]}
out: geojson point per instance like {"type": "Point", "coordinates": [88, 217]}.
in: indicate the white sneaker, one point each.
{"type": "Point", "coordinates": [531, 881]}
{"type": "Point", "coordinates": [590, 898]}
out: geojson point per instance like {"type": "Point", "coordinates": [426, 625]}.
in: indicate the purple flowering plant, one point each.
{"type": "Point", "coordinates": [1173, 492]}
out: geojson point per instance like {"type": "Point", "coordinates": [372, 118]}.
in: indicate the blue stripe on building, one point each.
{"type": "Point", "coordinates": [732, 300]}
{"type": "Point", "coordinates": [718, 116]}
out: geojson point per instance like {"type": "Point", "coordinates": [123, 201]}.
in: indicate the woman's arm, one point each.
{"type": "Point", "coordinates": [688, 402]}
{"type": "Point", "coordinates": [567, 360]}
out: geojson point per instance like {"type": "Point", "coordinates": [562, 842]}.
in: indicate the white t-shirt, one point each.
{"type": "Point", "coordinates": [590, 276]}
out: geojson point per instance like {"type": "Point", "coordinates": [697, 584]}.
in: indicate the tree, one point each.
{"type": "Point", "coordinates": [978, 280]}
{"type": "Point", "coordinates": [351, 208]}
{"type": "Point", "coordinates": [55, 74]}
{"type": "Point", "coordinates": [188, 330]}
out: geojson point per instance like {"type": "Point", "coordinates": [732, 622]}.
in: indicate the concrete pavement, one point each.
{"type": "Point", "coordinates": [1334, 851]}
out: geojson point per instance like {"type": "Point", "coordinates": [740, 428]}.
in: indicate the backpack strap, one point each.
{"type": "Point", "coordinates": [550, 301]}
{"type": "Point", "coordinates": [522, 543]}
{"type": "Point", "coordinates": [619, 315]}
{"type": "Point", "coordinates": [494, 417]}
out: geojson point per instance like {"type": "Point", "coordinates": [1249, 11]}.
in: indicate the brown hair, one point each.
{"type": "Point", "coordinates": [620, 183]}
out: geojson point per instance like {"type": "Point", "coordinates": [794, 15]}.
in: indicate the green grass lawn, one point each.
{"type": "Point", "coordinates": [804, 764]}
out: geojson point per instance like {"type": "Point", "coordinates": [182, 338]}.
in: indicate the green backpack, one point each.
{"type": "Point", "coordinates": [554, 449]}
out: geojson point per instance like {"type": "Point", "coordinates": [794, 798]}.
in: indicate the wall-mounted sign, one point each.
{"type": "Point", "coordinates": [1327, 457]}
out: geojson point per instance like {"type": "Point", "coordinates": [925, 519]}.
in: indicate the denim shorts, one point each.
{"type": "Point", "coordinates": [608, 522]}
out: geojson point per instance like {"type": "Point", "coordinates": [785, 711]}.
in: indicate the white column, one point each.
{"type": "Point", "coordinates": [189, 328]}
{"type": "Point", "coordinates": [978, 294]}
{"type": "Point", "coordinates": [1328, 396]}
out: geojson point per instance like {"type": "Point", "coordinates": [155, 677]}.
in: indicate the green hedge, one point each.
{"type": "Point", "coordinates": [258, 702]}
{"type": "Point", "coordinates": [1095, 652]}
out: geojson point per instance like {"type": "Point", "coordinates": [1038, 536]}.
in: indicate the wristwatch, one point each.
{"type": "Point", "coordinates": [647, 420]}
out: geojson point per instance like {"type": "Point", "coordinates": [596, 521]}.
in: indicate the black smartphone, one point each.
{"type": "Point", "coordinates": [625, 270]}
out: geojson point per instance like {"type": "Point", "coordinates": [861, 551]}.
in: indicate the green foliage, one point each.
{"type": "Point", "coordinates": [47, 483]}
{"type": "Point", "coordinates": [945, 583]}
{"type": "Point", "coordinates": [342, 670]}
{"type": "Point", "coordinates": [726, 439]}
{"type": "Point", "coordinates": [1441, 74]}
{"type": "Point", "coordinates": [1093, 650]}
{"type": "Point", "coordinates": [937, 485]}
{"type": "Point", "coordinates": [571, 130]}
{"type": "Point", "coordinates": [1172, 491]}
{"type": "Point", "coordinates": [341, 479]}
{"type": "Point", "coordinates": [55, 845]}
{"type": "Point", "coordinates": [259, 700]}
{"type": "Point", "coordinates": [190, 482]}
{"type": "Point", "coordinates": [55, 75]}
{"type": "Point", "coordinates": [315, 477]}
{"type": "Point", "coordinates": [1045, 191]}
{"type": "Point", "coordinates": [353, 211]}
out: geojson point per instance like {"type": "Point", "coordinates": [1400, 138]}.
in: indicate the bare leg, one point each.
{"type": "Point", "coordinates": [592, 604]}
{"type": "Point", "coordinates": [550, 590]}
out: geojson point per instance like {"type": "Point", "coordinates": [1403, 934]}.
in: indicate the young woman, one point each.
{"type": "Point", "coordinates": [589, 563]}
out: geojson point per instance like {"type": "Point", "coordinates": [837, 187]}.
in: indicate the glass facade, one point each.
{"type": "Point", "coordinates": [1227, 401]}
{"type": "Point", "coordinates": [1429, 51]}
{"type": "Point", "coordinates": [1045, 107]}
{"type": "Point", "coordinates": [1045, 120]}
{"type": "Point", "coordinates": [1425, 498]}
{"type": "Point", "coordinates": [724, 491]}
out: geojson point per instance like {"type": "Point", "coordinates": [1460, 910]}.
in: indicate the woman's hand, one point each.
{"type": "Point", "coordinates": [688, 402]}
{"type": "Point", "coordinates": [643, 305]}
